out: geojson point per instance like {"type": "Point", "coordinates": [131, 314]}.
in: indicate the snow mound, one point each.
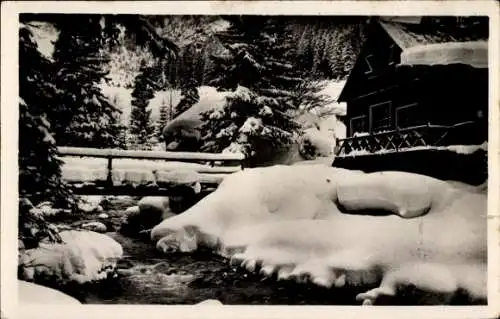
{"type": "Point", "coordinates": [310, 223]}
{"type": "Point", "coordinates": [30, 293]}
{"type": "Point", "coordinates": [84, 256]}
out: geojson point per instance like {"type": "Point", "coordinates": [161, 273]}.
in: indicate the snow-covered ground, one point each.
{"type": "Point", "coordinates": [30, 293]}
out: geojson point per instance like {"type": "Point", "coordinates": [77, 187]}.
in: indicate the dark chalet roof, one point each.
{"type": "Point", "coordinates": [411, 34]}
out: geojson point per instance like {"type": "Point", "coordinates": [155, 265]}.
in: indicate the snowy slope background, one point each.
{"type": "Point", "coordinates": [320, 127]}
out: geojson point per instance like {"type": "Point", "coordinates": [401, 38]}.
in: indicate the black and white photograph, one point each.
{"type": "Point", "coordinates": [259, 158]}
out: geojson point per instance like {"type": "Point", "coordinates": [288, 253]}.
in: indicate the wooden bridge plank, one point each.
{"type": "Point", "coordinates": [158, 155]}
{"type": "Point", "coordinates": [91, 171]}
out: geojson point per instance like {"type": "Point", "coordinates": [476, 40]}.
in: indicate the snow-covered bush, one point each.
{"type": "Point", "coordinates": [314, 143]}
{"type": "Point", "coordinates": [248, 124]}
{"type": "Point", "coordinates": [256, 68]}
{"type": "Point", "coordinates": [33, 226]}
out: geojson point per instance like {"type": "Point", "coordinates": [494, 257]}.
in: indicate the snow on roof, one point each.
{"type": "Point", "coordinates": [473, 53]}
{"type": "Point", "coordinates": [402, 19]}
{"type": "Point", "coordinates": [210, 99]}
{"type": "Point", "coordinates": [409, 35]}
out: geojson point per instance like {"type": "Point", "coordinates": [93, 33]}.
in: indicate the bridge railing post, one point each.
{"type": "Point", "coordinates": [110, 170]}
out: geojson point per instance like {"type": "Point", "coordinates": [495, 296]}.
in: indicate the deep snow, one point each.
{"type": "Point", "coordinates": [288, 220]}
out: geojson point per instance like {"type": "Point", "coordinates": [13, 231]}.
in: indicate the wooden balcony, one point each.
{"type": "Point", "coordinates": [416, 137]}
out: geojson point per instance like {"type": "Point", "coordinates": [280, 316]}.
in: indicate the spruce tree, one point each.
{"type": "Point", "coordinates": [141, 127]}
{"type": "Point", "coordinates": [83, 116]}
{"type": "Point", "coordinates": [39, 166]}
{"type": "Point", "coordinates": [259, 116]}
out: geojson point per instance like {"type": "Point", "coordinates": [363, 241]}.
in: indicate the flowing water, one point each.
{"type": "Point", "coordinates": [150, 278]}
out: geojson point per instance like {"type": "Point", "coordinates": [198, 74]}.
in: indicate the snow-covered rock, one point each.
{"type": "Point", "coordinates": [30, 293]}
{"type": "Point", "coordinates": [181, 177]}
{"type": "Point", "coordinates": [154, 205]}
{"type": "Point", "coordinates": [46, 209]}
{"type": "Point", "coordinates": [286, 219]}
{"type": "Point", "coordinates": [103, 216]}
{"type": "Point", "coordinates": [94, 226]}
{"type": "Point", "coordinates": [149, 211]}
{"type": "Point", "coordinates": [89, 204]}
{"type": "Point", "coordinates": [83, 256]}
{"type": "Point", "coordinates": [132, 210]}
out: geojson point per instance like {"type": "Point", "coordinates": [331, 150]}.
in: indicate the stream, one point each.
{"type": "Point", "coordinates": [146, 276]}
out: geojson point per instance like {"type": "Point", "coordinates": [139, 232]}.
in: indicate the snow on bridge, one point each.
{"type": "Point", "coordinates": [93, 171]}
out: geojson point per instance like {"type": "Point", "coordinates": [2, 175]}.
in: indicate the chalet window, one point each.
{"type": "Point", "coordinates": [392, 54]}
{"type": "Point", "coordinates": [369, 64]}
{"type": "Point", "coordinates": [407, 116]}
{"type": "Point", "coordinates": [380, 117]}
{"type": "Point", "coordinates": [358, 124]}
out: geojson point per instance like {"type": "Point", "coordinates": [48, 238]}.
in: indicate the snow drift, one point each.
{"type": "Point", "coordinates": [308, 223]}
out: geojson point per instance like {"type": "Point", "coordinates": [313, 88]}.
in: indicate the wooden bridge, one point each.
{"type": "Point", "coordinates": [92, 171]}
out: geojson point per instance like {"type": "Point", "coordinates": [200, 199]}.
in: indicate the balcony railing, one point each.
{"type": "Point", "coordinates": [404, 139]}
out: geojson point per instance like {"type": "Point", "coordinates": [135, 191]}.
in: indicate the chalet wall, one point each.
{"type": "Point", "coordinates": [442, 164]}
{"type": "Point", "coordinates": [444, 95]}
{"type": "Point", "coordinates": [374, 67]}
{"type": "Point", "coordinates": [453, 94]}
{"type": "Point", "coordinates": [398, 95]}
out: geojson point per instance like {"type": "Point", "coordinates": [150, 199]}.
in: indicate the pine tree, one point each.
{"type": "Point", "coordinates": [190, 96]}
{"type": "Point", "coordinates": [260, 115]}
{"type": "Point", "coordinates": [39, 168]}
{"type": "Point", "coordinates": [164, 118]}
{"type": "Point", "coordinates": [141, 127]}
{"type": "Point", "coordinates": [83, 116]}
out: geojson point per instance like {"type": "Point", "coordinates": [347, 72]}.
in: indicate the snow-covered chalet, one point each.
{"type": "Point", "coordinates": [417, 98]}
